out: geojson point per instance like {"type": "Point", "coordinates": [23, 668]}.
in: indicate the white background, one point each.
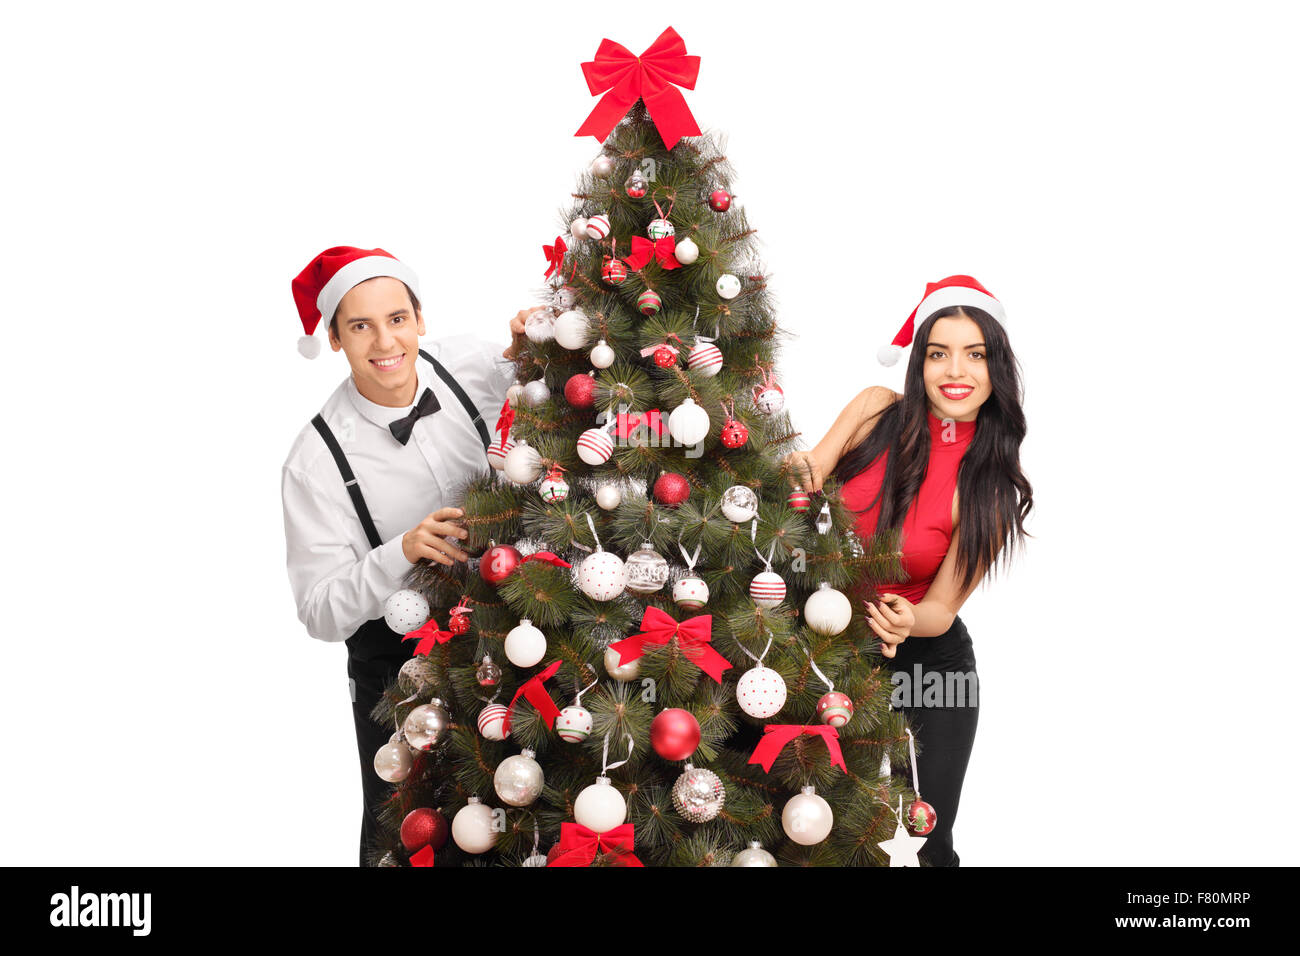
{"type": "Point", "coordinates": [1121, 175]}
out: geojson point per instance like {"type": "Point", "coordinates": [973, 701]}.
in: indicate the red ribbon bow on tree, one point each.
{"type": "Point", "coordinates": [650, 77]}
{"type": "Point", "coordinates": [693, 636]}
{"type": "Point", "coordinates": [578, 845]}
{"type": "Point", "coordinates": [776, 736]}
{"type": "Point", "coordinates": [428, 635]}
{"type": "Point", "coordinates": [533, 692]}
{"type": "Point", "coordinates": [424, 857]}
{"type": "Point", "coordinates": [505, 420]}
{"type": "Point", "coordinates": [555, 256]}
{"type": "Point", "coordinates": [628, 422]}
{"type": "Point", "coordinates": [661, 250]}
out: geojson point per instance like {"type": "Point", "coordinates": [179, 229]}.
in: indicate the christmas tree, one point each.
{"type": "Point", "coordinates": [654, 654]}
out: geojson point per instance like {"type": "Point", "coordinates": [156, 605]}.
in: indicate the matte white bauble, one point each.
{"type": "Point", "coordinates": [609, 497]}
{"type": "Point", "coordinates": [472, 827]}
{"type": "Point", "coordinates": [600, 807]}
{"type": "Point", "coordinates": [687, 251]}
{"type": "Point", "coordinates": [807, 818]}
{"type": "Point", "coordinates": [525, 644]}
{"type": "Point", "coordinates": [728, 286]}
{"type": "Point", "coordinates": [571, 329]}
{"type": "Point", "coordinates": [523, 463]}
{"type": "Point", "coordinates": [602, 356]}
{"type": "Point", "coordinates": [827, 610]}
{"type": "Point", "coordinates": [689, 423]}
{"type": "Point", "coordinates": [406, 610]}
{"type": "Point", "coordinates": [621, 672]}
{"type": "Point", "coordinates": [578, 229]}
{"type": "Point", "coordinates": [691, 592]}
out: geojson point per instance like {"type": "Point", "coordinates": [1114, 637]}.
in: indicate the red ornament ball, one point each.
{"type": "Point", "coordinates": [734, 433]}
{"type": "Point", "coordinates": [499, 563]}
{"type": "Point", "coordinates": [672, 489]}
{"type": "Point", "coordinates": [665, 357]}
{"type": "Point", "coordinates": [799, 500]}
{"type": "Point", "coordinates": [580, 390]}
{"type": "Point", "coordinates": [458, 624]}
{"type": "Point", "coordinates": [425, 827]}
{"type": "Point", "coordinates": [675, 733]}
{"type": "Point", "coordinates": [613, 271]}
{"type": "Point", "coordinates": [720, 200]}
{"type": "Point", "coordinates": [921, 818]}
{"type": "Point", "coordinates": [835, 708]}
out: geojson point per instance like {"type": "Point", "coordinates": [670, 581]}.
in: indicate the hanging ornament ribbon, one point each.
{"type": "Point", "coordinates": [627, 422]}
{"type": "Point", "coordinates": [428, 636]}
{"type": "Point", "coordinates": [550, 557]}
{"type": "Point", "coordinates": [771, 548]}
{"type": "Point", "coordinates": [662, 251]}
{"type": "Point", "coordinates": [505, 420]}
{"type": "Point", "coordinates": [776, 736]}
{"type": "Point", "coordinates": [653, 76]}
{"type": "Point", "coordinates": [768, 380]}
{"type": "Point", "coordinates": [424, 857]}
{"type": "Point", "coordinates": [665, 344]}
{"type": "Point", "coordinates": [579, 845]}
{"type": "Point", "coordinates": [817, 670]}
{"type": "Point", "coordinates": [555, 257]}
{"type": "Point", "coordinates": [911, 753]}
{"type": "Point", "coordinates": [693, 636]}
{"type": "Point", "coordinates": [536, 694]}
{"type": "Point", "coordinates": [690, 559]}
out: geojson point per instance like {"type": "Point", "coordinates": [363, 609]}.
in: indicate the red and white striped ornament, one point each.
{"type": "Point", "coordinates": [799, 500]}
{"type": "Point", "coordinates": [649, 302]}
{"type": "Point", "coordinates": [598, 227]}
{"type": "Point", "coordinates": [497, 452]}
{"type": "Point", "coordinates": [705, 357]}
{"type": "Point", "coordinates": [492, 722]}
{"type": "Point", "coordinates": [767, 589]}
{"type": "Point", "coordinates": [613, 271]}
{"type": "Point", "coordinates": [595, 446]}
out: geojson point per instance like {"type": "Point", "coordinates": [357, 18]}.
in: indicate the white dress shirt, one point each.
{"type": "Point", "coordinates": [339, 582]}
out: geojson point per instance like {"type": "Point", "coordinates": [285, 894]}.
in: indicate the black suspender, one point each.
{"type": "Point", "coordinates": [474, 414]}
{"type": "Point", "coordinates": [350, 480]}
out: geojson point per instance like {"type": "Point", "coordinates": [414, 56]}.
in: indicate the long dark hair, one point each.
{"type": "Point", "coordinates": [995, 495]}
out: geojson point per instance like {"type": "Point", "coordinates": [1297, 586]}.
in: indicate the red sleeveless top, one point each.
{"type": "Point", "coordinates": [927, 527]}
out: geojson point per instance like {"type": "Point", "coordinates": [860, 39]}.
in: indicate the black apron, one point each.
{"type": "Point", "coordinates": [375, 651]}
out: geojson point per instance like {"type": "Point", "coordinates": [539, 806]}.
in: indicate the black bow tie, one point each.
{"type": "Point", "coordinates": [427, 405]}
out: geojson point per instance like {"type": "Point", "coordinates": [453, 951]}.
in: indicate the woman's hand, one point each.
{"type": "Point", "coordinates": [805, 471]}
{"type": "Point", "coordinates": [892, 619]}
{"type": "Point", "coordinates": [517, 333]}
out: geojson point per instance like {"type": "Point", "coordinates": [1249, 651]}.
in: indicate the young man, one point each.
{"type": "Point", "coordinates": [368, 485]}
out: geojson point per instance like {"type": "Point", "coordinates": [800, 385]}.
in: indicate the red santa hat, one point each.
{"type": "Point", "coordinates": [954, 290]}
{"type": "Point", "coordinates": [320, 287]}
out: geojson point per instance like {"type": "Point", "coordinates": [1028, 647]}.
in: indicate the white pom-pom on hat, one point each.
{"type": "Point", "coordinates": [954, 290]}
{"type": "Point", "coordinates": [308, 346]}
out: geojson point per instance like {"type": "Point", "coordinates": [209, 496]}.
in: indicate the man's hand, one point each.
{"type": "Point", "coordinates": [428, 539]}
{"type": "Point", "coordinates": [892, 620]}
{"type": "Point", "coordinates": [517, 333]}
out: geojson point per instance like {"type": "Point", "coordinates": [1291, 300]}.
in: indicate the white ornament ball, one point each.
{"type": "Point", "coordinates": [600, 807]}
{"type": "Point", "coordinates": [691, 592]}
{"type": "Point", "coordinates": [536, 393]}
{"type": "Point", "coordinates": [515, 394]}
{"type": "Point", "coordinates": [566, 297]}
{"type": "Point", "coordinates": [686, 251]}
{"type": "Point", "coordinates": [602, 576]}
{"type": "Point", "coordinates": [578, 229]}
{"type": "Point", "coordinates": [393, 760]}
{"type": "Point", "coordinates": [760, 692]}
{"type": "Point", "coordinates": [659, 229]}
{"type": "Point", "coordinates": [472, 828]}
{"type": "Point", "coordinates": [689, 423]}
{"type": "Point", "coordinates": [740, 503]}
{"type": "Point", "coordinates": [497, 452]}
{"type": "Point", "coordinates": [602, 356]}
{"type": "Point", "coordinates": [807, 818]}
{"type": "Point", "coordinates": [406, 610]}
{"type": "Point", "coordinates": [553, 490]}
{"type": "Point", "coordinates": [647, 570]}
{"type": "Point", "coordinates": [827, 610]}
{"type": "Point", "coordinates": [539, 325]}
{"type": "Point", "coordinates": [574, 724]}
{"type": "Point", "coordinates": [492, 722]}
{"type": "Point", "coordinates": [728, 286]}
{"type": "Point", "coordinates": [602, 166]}
{"type": "Point", "coordinates": [523, 463]}
{"type": "Point", "coordinates": [598, 227]}
{"type": "Point", "coordinates": [518, 780]}
{"type": "Point", "coordinates": [426, 726]}
{"type": "Point", "coordinates": [753, 855]}
{"type": "Point", "coordinates": [706, 358]}
{"type": "Point", "coordinates": [770, 400]}
{"type": "Point", "coordinates": [525, 644]}
{"type": "Point", "coordinates": [621, 672]}
{"type": "Point", "coordinates": [767, 589]}
{"type": "Point", "coordinates": [609, 497]}
{"type": "Point", "coordinates": [595, 446]}
{"type": "Point", "coordinates": [571, 329]}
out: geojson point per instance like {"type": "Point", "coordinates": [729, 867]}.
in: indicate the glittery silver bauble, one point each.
{"type": "Point", "coordinates": [621, 672]}
{"type": "Point", "coordinates": [389, 859]}
{"type": "Point", "coordinates": [415, 674]}
{"type": "Point", "coordinates": [518, 780]}
{"type": "Point", "coordinates": [537, 859]}
{"type": "Point", "coordinates": [426, 726]}
{"type": "Point", "coordinates": [753, 855]}
{"type": "Point", "coordinates": [739, 503]}
{"type": "Point", "coordinates": [647, 570]}
{"type": "Point", "coordinates": [393, 760]}
{"type": "Point", "coordinates": [536, 392]}
{"type": "Point", "coordinates": [698, 794]}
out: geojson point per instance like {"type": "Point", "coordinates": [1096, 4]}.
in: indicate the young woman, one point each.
{"type": "Point", "coordinates": [941, 463]}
